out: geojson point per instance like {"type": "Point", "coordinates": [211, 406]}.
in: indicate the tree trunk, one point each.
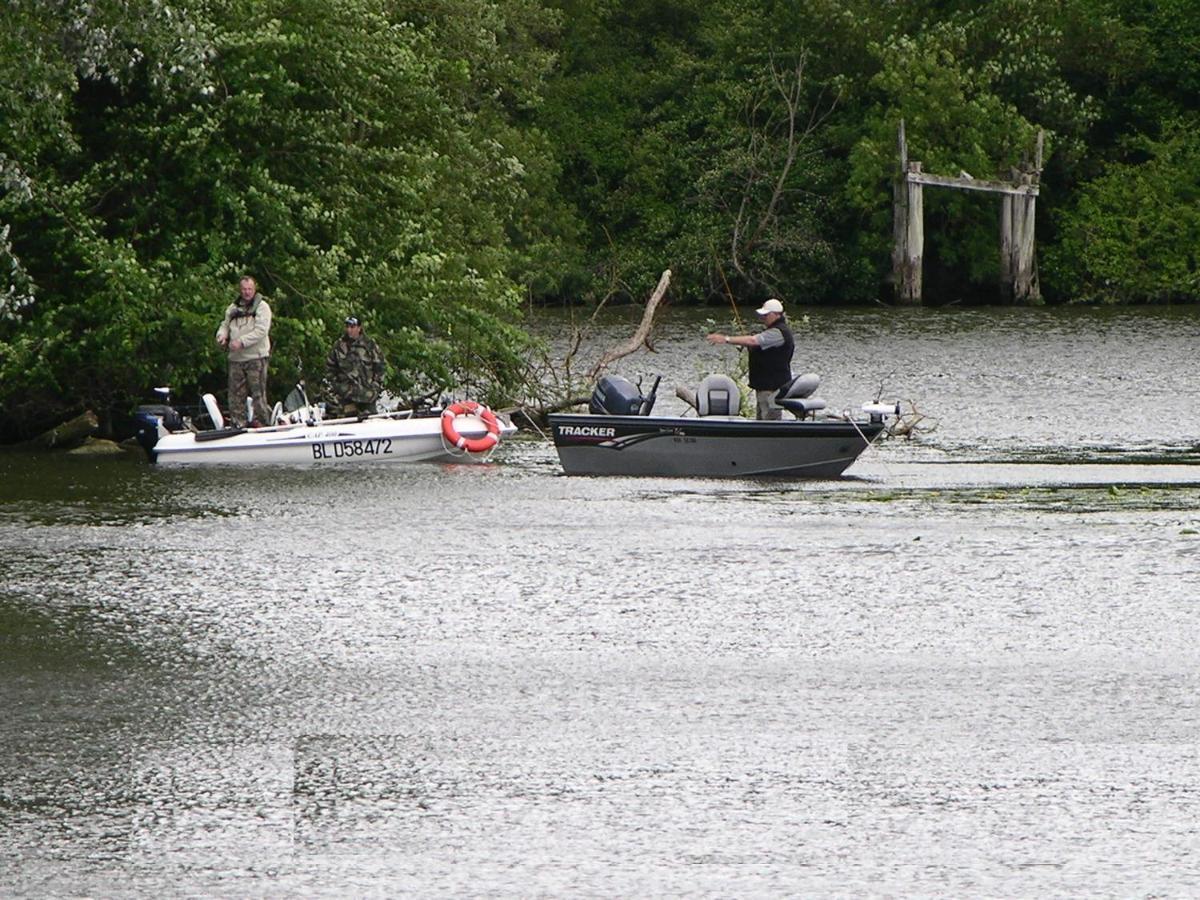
{"type": "Point", "coordinates": [69, 434]}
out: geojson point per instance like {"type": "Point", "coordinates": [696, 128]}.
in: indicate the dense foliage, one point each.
{"type": "Point", "coordinates": [431, 165]}
{"type": "Point", "coordinates": [1131, 234]}
{"type": "Point", "coordinates": [357, 155]}
{"type": "Point", "coordinates": [755, 142]}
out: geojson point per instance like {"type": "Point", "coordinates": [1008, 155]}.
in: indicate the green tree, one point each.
{"type": "Point", "coordinates": [692, 136]}
{"type": "Point", "coordinates": [1132, 233]}
{"type": "Point", "coordinates": [362, 155]}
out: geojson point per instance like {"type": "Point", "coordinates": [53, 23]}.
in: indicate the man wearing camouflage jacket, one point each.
{"type": "Point", "coordinates": [354, 371]}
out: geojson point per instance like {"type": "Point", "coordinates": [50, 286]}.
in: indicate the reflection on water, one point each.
{"type": "Point", "coordinates": [968, 669]}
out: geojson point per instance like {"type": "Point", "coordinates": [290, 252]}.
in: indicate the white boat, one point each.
{"type": "Point", "coordinates": [465, 431]}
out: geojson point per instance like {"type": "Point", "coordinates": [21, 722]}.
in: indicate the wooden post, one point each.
{"type": "Point", "coordinates": [1018, 207]}
{"type": "Point", "coordinates": [1025, 287]}
{"type": "Point", "coordinates": [1018, 265]}
{"type": "Point", "coordinates": [1007, 201]}
{"type": "Point", "coordinates": [1010, 216]}
{"type": "Point", "coordinates": [909, 222]}
{"type": "Point", "coordinates": [908, 229]}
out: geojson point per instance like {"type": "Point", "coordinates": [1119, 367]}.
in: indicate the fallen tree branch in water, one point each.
{"type": "Point", "coordinates": [71, 433]}
{"type": "Point", "coordinates": [911, 423]}
{"type": "Point", "coordinates": [537, 416]}
{"type": "Point", "coordinates": [552, 385]}
{"type": "Point", "coordinates": [640, 337]}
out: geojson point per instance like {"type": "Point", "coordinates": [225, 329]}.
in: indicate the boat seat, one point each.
{"type": "Point", "coordinates": [796, 396]}
{"type": "Point", "coordinates": [214, 411]}
{"type": "Point", "coordinates": [716, 395]}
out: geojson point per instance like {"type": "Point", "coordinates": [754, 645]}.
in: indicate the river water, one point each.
{"type": "Point", "coordinates": [967, 669]}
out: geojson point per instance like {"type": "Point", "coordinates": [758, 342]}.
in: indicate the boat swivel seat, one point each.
{"type": "Point", "coordinates": [716, 395]}
{"type": "Point", "coordinates": [214, 411]}
{"type": "Point", "coordinates": [796, 396]}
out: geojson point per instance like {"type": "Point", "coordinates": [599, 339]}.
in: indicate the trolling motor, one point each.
{"type": "Point", "coordinates": [879, 411]}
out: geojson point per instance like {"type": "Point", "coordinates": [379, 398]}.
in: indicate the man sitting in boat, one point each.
{"type": "Point", "coordinates": [354, 371]}
{"type": "Point", "coordinates": [770, 356]}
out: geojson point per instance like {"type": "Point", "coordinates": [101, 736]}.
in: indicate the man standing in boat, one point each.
{"type": "Point", "coordinates": [770, 356]}
{"type": "Point", "coordinates": [246, 333]}
{"type": "Point", "coordinates": [354, 370]}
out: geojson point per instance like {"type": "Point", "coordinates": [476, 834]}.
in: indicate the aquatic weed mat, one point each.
{"type": "Point", "coordinates": [1056, 455]}
{"type": "Point", "coordinates": [1073, 498]}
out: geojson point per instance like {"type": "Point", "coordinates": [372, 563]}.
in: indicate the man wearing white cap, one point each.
{"type": "Point", "coordinates": [770, 357]}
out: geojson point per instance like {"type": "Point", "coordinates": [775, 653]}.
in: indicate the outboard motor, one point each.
{"type": "Point", "coordinates": [796, 396]}
{"type": "Point", "coordinates": [617, 396]}
{"type": "Point", "coordinates": [154, 420]}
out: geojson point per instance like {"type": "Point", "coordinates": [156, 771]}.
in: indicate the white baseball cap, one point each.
{"type": "Point", "coordinates": [771, 306]}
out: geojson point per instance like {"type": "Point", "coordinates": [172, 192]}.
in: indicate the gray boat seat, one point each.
{"type": "Point", "coordinates": [796, 396]}
{"type": "Point", "coordinates": [716, 395]}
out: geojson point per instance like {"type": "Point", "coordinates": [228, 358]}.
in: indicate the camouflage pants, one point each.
{"type": "Point", "coordinates": [248, 379]}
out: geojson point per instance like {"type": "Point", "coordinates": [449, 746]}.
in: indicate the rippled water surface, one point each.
{"type": "Point", "coordinates": [968, 669]}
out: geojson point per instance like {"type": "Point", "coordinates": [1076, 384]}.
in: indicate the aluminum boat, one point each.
{"type": "Point", "coordinates": [619, 436]}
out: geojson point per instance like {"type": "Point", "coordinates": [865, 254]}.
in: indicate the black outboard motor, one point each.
{"type": "Point", "coordinates": [154, 420]}
{"type": "Point", "coordinates": [617, 396]}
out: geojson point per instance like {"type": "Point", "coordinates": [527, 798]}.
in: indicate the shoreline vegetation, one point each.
{"type": "Point", "coordinates": [436, 167]}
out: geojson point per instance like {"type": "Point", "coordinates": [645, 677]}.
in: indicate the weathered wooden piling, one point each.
{"type": "Point", "coordinates": [1018, 263]}
{"type": "Point", "coordinates": [908, 226]}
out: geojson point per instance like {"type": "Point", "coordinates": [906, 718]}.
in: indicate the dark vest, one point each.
{"type": "Point", "coordinates": [237, 311]}
{"type": "Point", "coordinates": [772, 368]}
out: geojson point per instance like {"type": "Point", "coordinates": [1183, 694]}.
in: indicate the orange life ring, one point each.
{"type": "Point", "coordinates": [479, 411]}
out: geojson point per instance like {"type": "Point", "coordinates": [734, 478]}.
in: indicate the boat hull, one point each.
{"type": "Point", "coordinates": [709, 447]}
{"type": "Point", "coordinates": [327, 443]}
